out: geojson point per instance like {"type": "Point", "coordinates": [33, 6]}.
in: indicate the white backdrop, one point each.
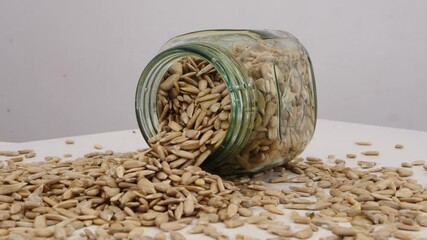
{"type": "Point", "coordinates": [71, 67]}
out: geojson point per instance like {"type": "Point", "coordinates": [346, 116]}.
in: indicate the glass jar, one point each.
{"type": "Point", "coordinates": [270, 80]}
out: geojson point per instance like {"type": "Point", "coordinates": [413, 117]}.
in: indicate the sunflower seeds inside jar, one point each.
{"type": "Point", "coordinates": [253, 91]}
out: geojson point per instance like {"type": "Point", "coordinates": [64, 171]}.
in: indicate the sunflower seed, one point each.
{"type": "Point", "coordinates": [172, 226]}
{"type": "Point", "coordinates": [176, 236]}
{"type": "Point", "coordinates": [303, 234]}
{"type": "Point", "coordinates": [363, 143]}
{"type": "Point", "coordinates": [398, 146]}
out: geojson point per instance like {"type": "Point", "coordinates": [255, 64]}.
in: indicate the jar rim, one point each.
{"type": "Point", "coordinates": [242, 97]}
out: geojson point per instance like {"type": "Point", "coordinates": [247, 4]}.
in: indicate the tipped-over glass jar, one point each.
{"type": "Point", "coordinates": [269, 78]}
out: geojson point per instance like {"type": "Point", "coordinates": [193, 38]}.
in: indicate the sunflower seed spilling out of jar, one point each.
{"type": "Point", "coordinates": [190, 127]}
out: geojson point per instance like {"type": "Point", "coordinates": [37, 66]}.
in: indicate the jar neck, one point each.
{"type": "Point", "coordinates": [242, 96]}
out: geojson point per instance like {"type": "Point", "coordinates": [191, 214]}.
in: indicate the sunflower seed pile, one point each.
{"type": "Point", "coordinates": [122, 193]}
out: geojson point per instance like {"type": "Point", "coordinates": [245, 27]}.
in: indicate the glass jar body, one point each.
{"type": "Point", "coordinates": [272, 94]}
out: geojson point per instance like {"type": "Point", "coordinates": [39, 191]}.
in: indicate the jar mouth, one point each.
{"type": "Point", "coordinates": [242, 96]}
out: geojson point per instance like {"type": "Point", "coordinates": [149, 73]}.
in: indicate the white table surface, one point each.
{"type": "Point", "coordinates": [331, 137]}
{"type": "Point", "coordinates": [5, 143]}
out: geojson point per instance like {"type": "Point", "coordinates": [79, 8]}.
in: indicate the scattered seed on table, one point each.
{"type": "Point", "coordinates": [176, 236]}
{"type": "Point", "coordinates": [406, 164]}
{"type": "Point", "coordinates": [25, 151]}
{"type": "Point", "coordinates": [304, 233]}
{"type": "Point", "coordinates": [366, 164]}
{"type": "Point", "coordinates": [403, 235]}
{"type": "Point", "coordinates": [363, 143]}
{"type": "Point", "coordinates": [10, 153]}
{"type": "Point", "coordinates": [404, 172]}
{"type": "Point", "coordinates": [97, 146]}
{"type": "Point", "coordinates": [398, 146]}
{"type": "Point", "coordinates": [30, 155]}
{"type": "Point", "coordinates": [418, 163]}
{"type": "Point", "coordinates": [16, 159]}
{"type": "Point", "coordinates": [343, 231]}
{"type": "Point", "coordinates": [371, 153]}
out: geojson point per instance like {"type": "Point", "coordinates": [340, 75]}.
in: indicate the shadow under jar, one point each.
{"type": "Point", "coordinates": [271, 88]}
